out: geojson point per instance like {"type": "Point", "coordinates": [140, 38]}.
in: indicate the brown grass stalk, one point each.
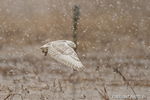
{"type": "Point", "coordinates": [125, 80]}
{"type": "Point", "coordinates": [11, 95]}
{"type": "Point", "coordinates": [103, 93]}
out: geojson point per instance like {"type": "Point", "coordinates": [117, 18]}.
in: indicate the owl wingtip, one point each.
{"type": "Point", "coordinates": [79, 68]}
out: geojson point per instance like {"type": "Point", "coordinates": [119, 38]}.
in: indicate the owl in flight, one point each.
{"type": "Point", "coordinates": [63, 51]}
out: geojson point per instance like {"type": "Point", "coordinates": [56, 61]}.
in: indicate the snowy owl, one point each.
{"type": "Point", "coordinates": [63, 51]}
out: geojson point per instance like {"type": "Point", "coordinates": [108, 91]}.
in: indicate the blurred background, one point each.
{"type": "Point", "coordinates": [111, 33]}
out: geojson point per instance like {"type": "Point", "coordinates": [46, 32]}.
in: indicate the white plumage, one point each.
{"type": "Point", "coordinates": [62, 51]}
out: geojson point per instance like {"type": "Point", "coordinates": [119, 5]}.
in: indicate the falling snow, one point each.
{"type": "Point", "coordinates": [110, 34]}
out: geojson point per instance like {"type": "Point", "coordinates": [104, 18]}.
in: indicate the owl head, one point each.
{"type": "Point", "coordinates": [71, 44]}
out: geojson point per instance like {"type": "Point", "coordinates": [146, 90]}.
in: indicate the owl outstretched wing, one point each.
{"type": "Point", "coordinates": [65, 54]}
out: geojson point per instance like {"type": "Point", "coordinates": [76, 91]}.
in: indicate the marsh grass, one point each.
{"type": "Point", "coordinates": [11, 95]}
{"type": "Point", "coordinates": [103, 93]}
{"type": "Point", "coordinates": [57, 87]}
{"type": "Point", "coordinates": [125, 80]}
